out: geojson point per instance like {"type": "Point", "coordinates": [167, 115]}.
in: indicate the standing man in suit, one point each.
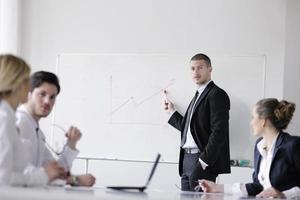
{"type": "Point", "coordinates": [204, 150]}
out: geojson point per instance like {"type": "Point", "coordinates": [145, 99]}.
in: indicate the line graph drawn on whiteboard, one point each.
{"type": "Point", "coordinates": [135, 102]}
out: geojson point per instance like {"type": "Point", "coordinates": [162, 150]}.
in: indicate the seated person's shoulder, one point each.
{"type": "Point", "coordinates": [23, 125]}
{"type": "Point", "coordinates": [296, 141]}
{"type": "Point", "coordinates": [292, 141]}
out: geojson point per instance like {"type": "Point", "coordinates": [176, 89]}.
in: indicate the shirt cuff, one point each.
{"type": "Point", "coordinates": [171, 113]}
{"type": "Point", "coordinates": [228, 188]}
{"type": "Point", "coordinates": [203, 164]}
{"type": "Point", "coordinates": [35, 176]}
{"type": "Point", "coordinates": [67, 157]}
{"type": "Point", "coordinates": [58, 182]}
{"type": "Point", "coordinates": [236, 188]}
{"type": "Point", "coordinates": [72, 153]}
{"type": "Point", "coordinates": [43, 176]}
{"type": "Point", "coordinates": [292, 193]}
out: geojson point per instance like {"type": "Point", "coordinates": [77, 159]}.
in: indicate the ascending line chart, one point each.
{"type": "Point", "coordinates": [135, 102]}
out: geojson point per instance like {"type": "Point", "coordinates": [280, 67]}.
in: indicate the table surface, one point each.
{"type": "Point", "coordinates": [74, 193]}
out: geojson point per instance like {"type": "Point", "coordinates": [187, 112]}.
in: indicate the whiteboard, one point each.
{"type": "Point", "coordinates": [116, 101]}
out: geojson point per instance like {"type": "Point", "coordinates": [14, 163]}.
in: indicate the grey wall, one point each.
{"type": "Point", "coordinates": [292, 61]}
{"type": "Point", "coordinates": [10, 26]}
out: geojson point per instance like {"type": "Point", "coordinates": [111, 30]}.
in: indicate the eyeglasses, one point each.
{"type": "Point", "coordinates": [58, 153]}
{"type": "Point", "coordinates": [59, 127]}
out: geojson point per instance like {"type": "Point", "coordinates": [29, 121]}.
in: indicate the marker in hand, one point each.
{"type": "Point", "coordinates": [166, 100]}
{"type": "Point", "coordinates": [198, 188]}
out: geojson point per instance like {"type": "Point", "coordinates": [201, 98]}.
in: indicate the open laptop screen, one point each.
{"type": "Point", "coordinates": [139, 188]}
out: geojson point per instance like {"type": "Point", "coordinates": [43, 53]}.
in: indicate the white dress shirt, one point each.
{"type": "Point", "coordinates": [190, 142]}
{"type": "Point", "coordinates": [15, 168]}
{"type": "Point", "coordinates": [265, 163]}
{"type": "Point", "coordinates": [30, 131]}
{"type": "Point", "coordinates": [263, 174]}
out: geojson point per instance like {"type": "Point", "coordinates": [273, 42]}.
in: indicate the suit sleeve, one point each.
{"type": "Point", "coordinates": [296, 155]}
{"type": "Point", "coordinates": [294, 192]}
{"type": "Point", "coordinates": [255, 187]}
{"type": "Point", "coordinates": [219, 105]}
{"type": "Point", "coordinates": [176, 120]}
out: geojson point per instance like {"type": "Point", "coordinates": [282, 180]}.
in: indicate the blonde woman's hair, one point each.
{"type": "Point", "coordinates": [13, 71]}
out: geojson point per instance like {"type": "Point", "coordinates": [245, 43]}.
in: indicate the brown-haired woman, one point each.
{"type": "Point", "coordinates": [276, 155]}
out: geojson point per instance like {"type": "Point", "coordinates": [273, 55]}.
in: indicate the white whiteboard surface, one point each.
{"type": "Point", "coordinates": [116, 101]}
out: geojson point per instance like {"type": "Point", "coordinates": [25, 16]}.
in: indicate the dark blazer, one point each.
{"type": "Point", "coordinates": [285, 166]}
{"type": "Point", "coordinates": [209, 128]}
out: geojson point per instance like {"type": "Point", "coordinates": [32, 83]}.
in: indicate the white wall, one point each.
{"type": "Point", "coordinates": [171, 27]}
{"type": "Point", "coordinates": [292, 61]}
{"type": "Point", "coordinates": [10, 26]}
{"type": "Point", "coordinates": [234, 27]}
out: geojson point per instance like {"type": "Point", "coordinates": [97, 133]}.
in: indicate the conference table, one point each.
{"type": "Point", "coordinates": [76, 193]}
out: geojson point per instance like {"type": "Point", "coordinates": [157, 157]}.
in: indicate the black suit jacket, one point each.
{"type": "Point", "coordinates": [209, 128]}
{"type": "Point", "coordinates": [285, 166]}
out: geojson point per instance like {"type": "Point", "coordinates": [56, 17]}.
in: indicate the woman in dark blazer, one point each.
{"type": "Point", "coordinates": [276, 155]}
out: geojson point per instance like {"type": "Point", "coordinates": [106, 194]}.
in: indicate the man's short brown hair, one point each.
{"type": "Point", "coordinates": [201, 56]}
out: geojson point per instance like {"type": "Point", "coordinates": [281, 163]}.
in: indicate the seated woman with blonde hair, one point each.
{"type": "Point", "coordinates": [276, 155]}
{"type": "Point", "coordinates": [15, 168]}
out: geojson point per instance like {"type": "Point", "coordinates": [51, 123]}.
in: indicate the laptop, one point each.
{"type": "Point", "coordinates": [139, 188]}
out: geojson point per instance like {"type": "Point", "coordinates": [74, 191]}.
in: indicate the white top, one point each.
{"type": "Point", "coordinates": [263, 174]}
{"type": "Point", "coordinates": [265, 163]}
{"type": "Point", "coordinates": [190, 142]}
{"type": "Point", "coordinates": [30, 131]}
{"type": "Point", "coordinates": [14, 154]}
